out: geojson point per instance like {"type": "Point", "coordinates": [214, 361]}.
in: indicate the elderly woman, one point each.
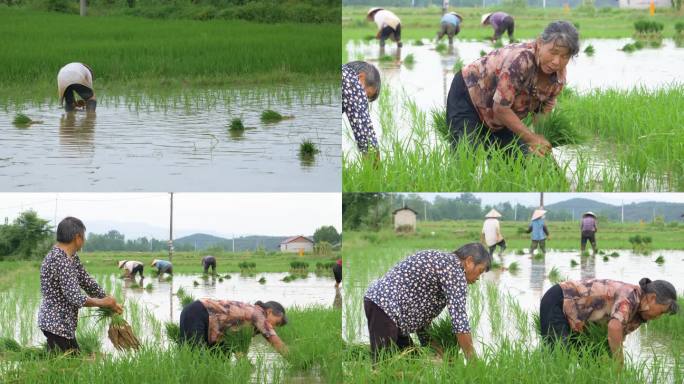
{"type": "Point", "coordinates": [62, 277]}
{"type": "Point", "coordinates": [389, 25]}
{"type": "Point", "coordinates": [360, 85]}
{"type": "Point", "coordinates": [567, 307]}
{"type": "Point", "coordinates": [415, 291]}
{"type": "Point", "coordinates": [76, 78]}
{"type": "Point", "coordinates": [490, 96]}
{"type": "Point", "coordinates": [205, 322]}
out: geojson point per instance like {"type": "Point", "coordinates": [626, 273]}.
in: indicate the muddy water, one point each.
{"type": "Point", "coordinates": [173, 143]}
{"type": "Point", "coordinates": [427, 81]}
{"type": "Point", "coordinates": [528, 285]}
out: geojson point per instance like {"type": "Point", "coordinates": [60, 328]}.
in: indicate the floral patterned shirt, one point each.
{"type": "Point", "coordinates": [227, 314]}
{"type": "Point", "coordinates": [599, 301]}
{"type": "Point", "coordinates": [355, 105]}
{"type": "Point", "coordinates": [61, 280]}
{"type": "Point", "coordinates": [508, 76]}
{"type": "Point", "coordinates": [416, 290]}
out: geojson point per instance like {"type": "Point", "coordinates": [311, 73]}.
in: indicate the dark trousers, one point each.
{"type": "Point", "coordinates": [507, 25]}
{"type": "Point", "coordinates": [337, 272]}
{"type": "Point", "coordinates": [390, 33]}
{"type": "Point", "coordinates": [61, 344]}
{"type": "Point", "coordinates": [465, 124]}
{"type": "Point", "coordinates": [194, 324]}
{"type": "Point", "coordinates": [137, 269]}
{"type": "Point", "coordinates": [384, 333]}
{"type": "Point", "coordinates": [83, 91]}
{"type": "Point", "coordinates": [588, 236]}
{"type": "Point", "coordinates": [554, 326]}
{"type": "Point", "coordinates": [501, 244]}
{"type": "Point", "coordinates": [211, 264]}
{"type": "Point", "coordinates": [448, 29]}
{"type": "Point", "coordinates": [540, 243]}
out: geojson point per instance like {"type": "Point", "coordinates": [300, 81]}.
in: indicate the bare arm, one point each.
{"type": "Point", "coordinates": [278, 345]}
{"type": "Point", "coordinates": [105, 302]}
{"type": "Point", "coordinates": [615, 337]}
{"type": "Point", "coordinates": [537, 143]}
{"type": "Point", "coordinates": [465, 341]}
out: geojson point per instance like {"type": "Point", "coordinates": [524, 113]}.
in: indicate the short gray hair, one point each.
{"type": "Point", "coordinates": [563, 34]}
{"type": "Point", "coordinates": [372, 74]}
{"type": "Point", "coordinates": [664, 291]}
{"type": "Point", "coordinates": [68, 228]}
{"type": "Point", "coordinates": [477, 251]}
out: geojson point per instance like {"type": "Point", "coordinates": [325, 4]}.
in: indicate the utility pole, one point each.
{"type": "Point", "coordinates": [233, 243]}
{"type": "Point", "coordinates": [622, 214]}
{"type": "Point", "coordinates": [541, 200]}
{"type": "Point", "coordinates": [425, 210]}
{"type": "Point", "coordinates": [171, 230]}
{"type": "Point", "coordinates": [83, 7]}
{"type": "Point", "coordinates": [55, 216]}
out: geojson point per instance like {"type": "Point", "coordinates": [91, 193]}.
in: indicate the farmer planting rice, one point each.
{"type": "Point", "coordinates": [62, 276]}
{"type": "Point", "coordinates": [450, 25]}
{"type": "Point", "coordinates": [78, 78]}
{"type": "Point", "coordinates": [538, 230]}
{"type": "Point", "coordinates": [415, 291]}
{"type": "Point", "coordinates": [490, 96]}
{"type": "Point", "coordinates": [588, 231]}
{"type": "Point", "coordinates": [360, 85]}
{"type": "Point", "coordinates": [205, 322]}
{"type": "Point", "coordinates": [162, 266]}
{"type": "Point", "coordinates": [389, 25]}
{"type": "Point", "coordinates": [568, 307]}
{"type": "Point", "coordinates": [131, 267]}
{"type": "Point", "coordinates": [501, 22]}
{"type": "Point", "coordinates": [491, 232]}
{"type": "Point", "coordinates": [209, 261]}
{"type": "Point", "coordinates": [337, 272]}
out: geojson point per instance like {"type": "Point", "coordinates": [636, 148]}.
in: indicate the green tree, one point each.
{"type": "Point", "coordinates": [326, 233]}
{"type": "Point", "coordinates": [27, 237]}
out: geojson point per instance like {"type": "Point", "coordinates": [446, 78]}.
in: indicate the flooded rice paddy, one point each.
{"type": "Point", "coordinates": [178, 142]}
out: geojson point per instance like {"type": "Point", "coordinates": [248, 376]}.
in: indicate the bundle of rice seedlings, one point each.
{"type": "Point", "coordinates": [573, 263]}
{"type": "Point", "coordinates": [271, 116]}
{"type": "Point", "coordinates": [589, 50]}
{"type": "Point", "coordinates": [409, 59]}
{"type": "Point", "coordinates": [660, 260]}
{"type": "Point", "coordinates": [605, 258]}
{"type": "Point", "coordinates": [185, 298]}
{"type": "Point", "coordinates": [458, 65]}
{"type": "Point", "coordinates": [236, 341]}
{"type": "Point", "coordinates": [513, 267]}
{"type": "Point", "coordinates": [8, 344]}
{"type": "Point", "coordinates": [441, 48]}
{"type": "Point", "coordinates": [482, 53]}
{"type": "Point", "coordinates": [120, 332]}
{"type": "Point", "coordinates": [172, 331]}
{"type": "Point", "coordinates": [418, 43]}
{"type": "Point", "coordinates": [614, 254]}
{"type": "Point", "coordinates": [23, 121]}
{"type": "Point", "coordinates": [262, 280]}
{"type": "Point", "coordinates": [554, 275]}
{"type": "Point", "coordinates": [441, 333]}
{"type": "Point", "coordinates": [307, 149]}
{"type": "Point", "coordinates": [557, 129]}
{"type": "Point", "coordinates": [236, 125]}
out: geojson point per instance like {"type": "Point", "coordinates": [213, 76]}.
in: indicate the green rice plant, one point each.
{"type": "Point", "coordinates": [573, 263]}
{"type": "Point", "coordinates": [120, 332]}
{"type": "Point", "coordinates": [498, 44]}
{"type": "Point", "coordinates": [441, 47]}
{"type": "Point", "coordinates": [262, 280]}
{"type": "Point", "coordinates": [236, 125]}
{"type": "Point", "coordinates": [606, 258]}
{"type": "Point", "coordinates": [554, 275]}
{"type": "Point", "coordinates": [614, 254]}
{"type": "Point", "coordinates": [195, 283]}
{"type": "Point", "coordinates": [679, 27]}
{"type": "Point", "coordinates": [236, 341]}
{"type": "Point", "coordinates": [440, 332]}
{"type": "Point", "coordinates": [589, 50]}
{"type": "Point", "coordinates": [149, 287]}
{"type": "Point", "coordinates": [483, 53]}
{"type": "Point", "coordinates": [326, 265]}
{"type": "Point", "coordinates": [184, 297]}
{"type": "Point", "coordinates": [89, 341]}
{"type": "Point", "coordinates": [245, 266]}
{"type": "Point", "coordinates": [299, 266]}
{"type": "Point", "coordinates": [660, 260]}
{"type": "Point", "coordinates": [21, 120]}
{"type": "Point", "coordinates": [514, 267]}
{"type": "Point", "coordinates": [172, 332]}
{"type": "Point", "coordinates": [307, 149]}
{"type": "Point", "coordinates": [458, 65]}
{"type": "Point", "coordinates": [228, 276]}
{"type": "Point", "coordinates": [602, 252]}
{"type": "Point", "coordinates": [271, 116]}
{"type": "Point", "coordinates": [8, 344]}
{"type": "Point", "coordinates": [369, 38]}
{"type": "Point", "coordinates": [520, 252]}
{"type": "Point", "coordinates": [648, 27]}
{"type": "Point", "coordinates": [557, 129]}
{"type": "Point", "coordinates": [168, 278]}
{"type": "Point", "coordinates": [386, 59]}
{"type": "Point", "coordinates": [585, 254]}
{"type": "Point", "coordinates": [418, 43]}
{"type": "Point", "coordinates": [409, 60]}
{"type": "Point", "coordinates": [220, 279]}
{"type": "Point", "coordinates": [135, 285]}
{"type": "Point", "coordinates": [495, 265]}
{"type": "Point", "coordinates": [629, 48]}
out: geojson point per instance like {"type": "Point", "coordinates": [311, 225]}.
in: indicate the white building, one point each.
{"type": "Point", "coordinates": [297, 244]}
{"type": "Point", "coordinates": [405, 218]}
{"type": "Point", "coordinates": [659, 4]}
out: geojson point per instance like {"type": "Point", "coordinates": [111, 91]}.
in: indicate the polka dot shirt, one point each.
{"type": "Point", "coordinates": [61, 280]}
{"type": "Point", "coordinates": [416, 290]}
{"type": "Point", "coordinates": [355, 105]}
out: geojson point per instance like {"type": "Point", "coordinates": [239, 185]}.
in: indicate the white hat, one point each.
{"type": "Point", "coordinates": [485, 17]}
{"type": "Point", "coordinates": [122, 262]}
{"type": "Point", "coordinates": [375, 9]}
{"type": "Point", "coordinates": [589, 213]}
{"type": "Point", "coordinates": [493, 214]}
{"type": "Point", "coordinates": [457, 15]}
{"type": "Point", "coordinates": [538, 213]}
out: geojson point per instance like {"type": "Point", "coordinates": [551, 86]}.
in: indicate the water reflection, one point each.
{"type": "Point", "coordinates": [77, 131]}
{"type": "Point", "coordinates": [587, 267]}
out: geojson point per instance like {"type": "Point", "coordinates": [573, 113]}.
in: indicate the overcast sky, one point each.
{"type": "Point", "coordinates": [222, 214]}
{"type": "Point", "coordinates": [532, 199]}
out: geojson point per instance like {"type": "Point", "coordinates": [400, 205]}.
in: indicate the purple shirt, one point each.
{"type": "Point", "coordinates": [496, 19]}
{"type": "Point", "coordinates": [588, 224]}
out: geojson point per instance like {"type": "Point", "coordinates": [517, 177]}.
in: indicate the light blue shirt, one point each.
{"type": "Point", "coordinates": [451, 19]}
{"type": "Point", "coordinates": [538, 229]}
{"type": "Point", "coordinates": [163, 265]}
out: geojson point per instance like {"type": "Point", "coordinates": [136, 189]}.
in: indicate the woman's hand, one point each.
{"type": "Point", "coordinates": [110, 302]}
{"type": "Point", "coordinates": [537, 143]}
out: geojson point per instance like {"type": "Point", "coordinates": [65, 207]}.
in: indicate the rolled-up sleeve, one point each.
{"type": "Point", "coordinates": [87, 282]}
{"type": "Point", "coordinates": [454, 286]}
{"type": "Point", "coordinates": [355, 106]}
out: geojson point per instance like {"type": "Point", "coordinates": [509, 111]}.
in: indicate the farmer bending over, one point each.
{"type": "Point", "coordinates": [588, 229]}
{"type": "Point", "coordinates": [131, 267]}
{"type": "Point", "coordinates": [62, 277]}
{"type": "Point", "coordinates": [162, 266]}
{"type": "Point", "coordinates": [337, 272]}
{"type": "Point", "coordinates": [389, 25]}
{"type": "Point", "coordinates": [205, 321]}
{"type": "Point", "coordinates": [450, 25]}
{"type": "Point", "coordinates": [360, 86]}
{"type": "Point", "coordinates": [78, 78]}
{"type": "Point", "coordinates": [209, 261]}
{"type": "Point", "coordinates": [415, 291]}
{"type": "Point", "coordinates": [567, 307]}
{"type": "Point", "coordinates": [501, 22]}
{"type": "Point", "coordinates": [490, 96]}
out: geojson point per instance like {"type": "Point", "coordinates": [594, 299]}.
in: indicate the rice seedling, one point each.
{"type": "Point", "coordinates": [557, 129]}
{"type": "Point", "coordinates": [326, 265]}
{"type": "Point", "coordinates": [458, 65]}
{"type": "Point", "coordinates": [554, 275]}
{"type": "Point", "coordinates": [184, 297]}
{"type": "Point", "coordinates": [228, 276]}
{"type": "Point", "coordinates": [606, 258]}
{"type": "Point", "coordinates": [168, 278]}
{"type": "Point", "coordinates": [514, 267]}
{"type": "Point", "coordinates": [220, 279]}
{"type": "Point", "coordinates": [520, 252]}
{"type": "Point", "coordinates": [602, 252]}
{"type": "Point", "coordinates": [679, 27]}
{"type": "Point", "coordinates": [660, 260]}
{"type": "Point", "coordinates": [386, 58]}
{"type": "Point", "coordinates": [172, 332]}
{"type": "Point", "coordinates": [585, 254]}
{"type": "Point", "coordinates": [271, 116]}
{"type": "Point", "coordinates": [299, 266]}
{"type": "Point", "coordinates": [483, 53]}
{"type": "Point", "coordinates": [120, 333]}
{"type": "Point", "coordinates": [573, 263]}
{"type": "Point", "coordinates": [195, 283]}
{"type": "Point", "coordinates": [409, 60]}
{"type": "Point", "coordinates": [149, 287]}
{"type": "Point", "coordinates": [245, 266]}
{"type": "Point", "coordinates": [262, 280]}
{"type": "Point", "coordinates": [23, 121]}
{"type": "Point", "coordinates": [307, 149]}
{"type": "Point", "coordinates": [614, 254]}
{"type": "Point", "coordinates": [418, 43]}
{"type": "Point", "coordinates": [135, 285]}
{"type": "Point", "coordinates": [648, 27]}
{"type": "Point", "coordinates": [236, 125]}
{"type": "Point", "coordinates": [589, 50]}
{"type": "Point", "coordinates": [495, 265]}
{"type": "Point", "coordinates": [441, 47]}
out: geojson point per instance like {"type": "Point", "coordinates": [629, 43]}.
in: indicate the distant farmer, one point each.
{"type": "Point", "coordinates": [416, 290]}
{"type": "Point", "coordinates": [490, 96]}
{"type": "Point", "coordinates": [337, 272]}
{"type": "Point", "coordinates": [360, 85]}
{"type": "Point", "coordinates": [588, 231]}
{"type": "Point", "coordinates": [162, 266]}
{"type": "Point", "coordinates": [209, 261]}
{"type": "Point", "coordinates": [491, 232]}
{"type": "Point", "coordinates": [131, 267]}
{"type": "Point", "coordinates": [567, 308]}
{"type": "Point", "coordinates": [501, 22]}
{"type": "Point", "coordinates": [389, 25]}
{"type": "Point", "coordinates": [62, 277]}
{"type": "Point", "coordinates": [450, 25]}
{"type": "Point", "coordinates": [539, 231]}
{"type": "Point", "coordinates": [204, 322]}
{"type": "Point", "coordinates": [78, 78]}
